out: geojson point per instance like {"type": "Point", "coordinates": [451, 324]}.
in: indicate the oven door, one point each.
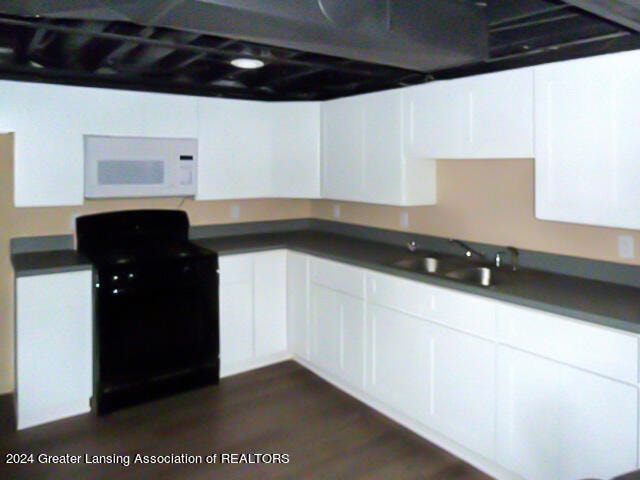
{"type": "Point", "coordinates": [156, 331]}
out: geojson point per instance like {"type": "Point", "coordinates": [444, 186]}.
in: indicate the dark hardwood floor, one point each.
{"type": "Point", "coordinates": [279, 410]}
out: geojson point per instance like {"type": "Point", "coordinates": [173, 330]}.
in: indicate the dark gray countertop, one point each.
{"type": "Point", "coordinates": [53, 261]}
{"type": "Point", "coordinates": [604, 303]}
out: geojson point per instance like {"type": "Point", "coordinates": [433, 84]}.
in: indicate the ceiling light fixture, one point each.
{"type": "Point", "coordinates": [247, 63]}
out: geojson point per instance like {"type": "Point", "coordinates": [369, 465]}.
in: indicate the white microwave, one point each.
{"type": "Point", "coordinates": [139, 166]}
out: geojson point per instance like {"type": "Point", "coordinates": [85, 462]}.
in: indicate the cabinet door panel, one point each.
{"type": "Point", "coordinates": [53, 346]}
{"type": "Point", "coordinates": [298, 321]}
{"type": "Point", "coordinates": [399, 352]}
{"type": "Point", "coordinates": [325, 328]}
{"type": "Point", "coordinates": [434, 114]}
{"type": "Point", "coordinates": [382, 148]}
{"type": "Point", "coordinates": [586, 152]}
{"type": "Point", "coordinates": [270, 309]}
{"type": "Point", "coordinates": [463, 388]}
{"type": "Point", "coordinates": [558, 422]}
{"type": "Point", "coordinates": [295, 149]}
{"type": "Point", "coordinates": [337, 334]}
{"type": "Point", "coordinates": [236, 324]}
{"type": "Point", "coordinates": [342, 149]}
{"type": "Point", "coordinates": [234, 148]}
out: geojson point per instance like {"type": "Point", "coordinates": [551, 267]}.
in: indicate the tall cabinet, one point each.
{"type": "Point", "coordinates": [587, 145]}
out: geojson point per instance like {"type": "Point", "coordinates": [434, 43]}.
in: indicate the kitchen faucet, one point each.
{"type": "Point", "coordinates": [515, 255]}
{"type": "Point", "coordinates": [469, 251]}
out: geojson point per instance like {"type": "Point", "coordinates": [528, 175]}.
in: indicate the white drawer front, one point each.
{"type": "Point", "coordinates": [399, 294]}
{"type": "Point", "coordinates": [591, 347]}
{"type": "Point", "coordinates": [236, 268]}
{"type": "Point", "coordinates": [338, 276]}
{"type": "Point", "coordinates": [465, 312]}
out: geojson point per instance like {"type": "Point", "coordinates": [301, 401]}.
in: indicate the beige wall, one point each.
{"type": "Point", "coordinates": [489, 201]}
{"type": "Point", "coordinates": [20, 222]}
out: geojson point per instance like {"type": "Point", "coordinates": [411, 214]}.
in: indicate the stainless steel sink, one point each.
{"type": "Point", "coordinates": [482, 276]}
{"type": "Point", "coordinates": [423, 264]}
{"type": "Point", "coordinates": [450, 267]}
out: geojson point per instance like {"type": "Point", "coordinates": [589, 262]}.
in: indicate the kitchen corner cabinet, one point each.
{"type": "Point", "coordinates": [337, 320]}
{"type": "Point", "coordinates": [587, 170]}
{"type": "Point", "coordinates": [253, 329]}
{"type": "Point", "coordinates": [234, 140]}
{"type": "Point", "coordinates": [53, 335]}
{"type": "Point", "coordinates": [252, 149]}
{"type": "Point", "coordinates": [363, 156]}
{"type": "Point", "coordinates": [483, 116]}
{"type": "Point", "coordinates": [298, 337]}
{"type": "Point", "coordinates": [295, 149]}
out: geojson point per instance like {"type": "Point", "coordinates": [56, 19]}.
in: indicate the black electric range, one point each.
{"type": "Point", "coordinates": [156, 323]}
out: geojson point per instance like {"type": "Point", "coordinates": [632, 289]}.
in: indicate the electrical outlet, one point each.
{"type": "Point", "coordinates": [404, 219]}
{"type": "Point", "coordinates": [235, 211]}
{"type": "Point", "coordinates": [336, 211]}
{"type": "Point", "coordinates": [626, 246]}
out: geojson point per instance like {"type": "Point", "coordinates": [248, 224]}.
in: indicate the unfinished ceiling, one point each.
{"type": "Point", "coordinates": [311, 49]}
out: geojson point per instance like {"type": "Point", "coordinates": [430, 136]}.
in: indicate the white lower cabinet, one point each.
{"type": "Point", "coordinates": [399, 352]}
{"type": "Point", "coordinates": [567, 397]}
{"type": "Point", "coordinates": [337, 334]}
{"type": "Point", "coordinates": [298, 305]}
{"type": "Point", "coordinates": [54, 315]}
{"type": "Point", "coordinates": [461, 383]}
{"type": "Point", "coordinates": [253, 329]}
{"type": "Point", "coordinates": [336, 300]}
{"type": "Point", "coordinates": [439, 376]}
{"type": "Point", "coordinates": [560, 422]}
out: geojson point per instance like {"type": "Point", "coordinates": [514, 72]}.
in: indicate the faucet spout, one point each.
{"type": "Point", "coordinates": [515, 256]}
{"type": "Point", "coordinates": [469, 251]}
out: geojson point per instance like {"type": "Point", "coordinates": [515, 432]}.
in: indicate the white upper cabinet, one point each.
{"type": "Point", "coordinates": [48, 128]}
{"type": "Point", "coordinates": [250, 149]}
{"type": "Point", "coordinates": [484, 116]}
{"type": "Point", "coordinates": [363, 155]}
{"type": "Point", "coordinates": [295, 149]}
{"type": "Point", "coordinates": [587, 168]}
{"type": "Point", "coordinates": [234, 139]}
{"type": "Point", "coordinates": [139, 114]}
{"type": "Point", "coordinates": [49, 122]}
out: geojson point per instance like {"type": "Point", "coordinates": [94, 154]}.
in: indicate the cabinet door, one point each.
{"type": "Point", "coordinates": [337, 334]}
{"type": "Point", "coordinates": [484, 116]}
{"type": "Point", "coordinates": [342, 149]}
{"type": "Point", "coordinates": [270, 303]}
{"type": "Point", "coordinates": [53, 346]}
{"type": "Point", "coordinates": [298, 330]}
{"type": "Point", "coordinates": [47, 121]}
{"type": "Point", "coordinates": [399, 352]}
{"type": "Point", "coordinates": [236, 311]}
{"type": "Point", "coordinates": [462, 377]}
{"type": "Point", "coordinates": [383, 157]}
{"type": "Point", "coordinates": [234, 149]}
{"type": "Point", "coordinates": [586, 150]}
{"type": "Point", "coordinates": [434, 114]}
{"type": "Point", "coordinates": [558, 422]}
{"type": "Point", "coordinates": [296, 150]}
{"type": "Point", "coordinates": [144, 114]}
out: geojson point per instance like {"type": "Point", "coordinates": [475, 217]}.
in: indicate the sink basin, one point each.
{"type": "Point", "coordinates": [482, 276]}
{"type": "Point", "coordinates": [451, 267]}
{"type": "Point", "coordinates": [424, 264]}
